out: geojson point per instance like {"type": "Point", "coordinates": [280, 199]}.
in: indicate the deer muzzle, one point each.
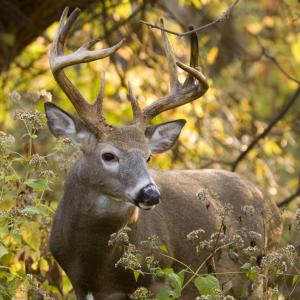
{"type": "Point", "coordinates": [148, 197]}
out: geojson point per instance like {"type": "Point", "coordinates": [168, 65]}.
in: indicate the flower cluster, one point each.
{"type": "Point", "coordinates": [255, 236]}
{"type": "Point", "coordinates": [120, 238]}
{"type": "Point", "coordinates": [37, 161]}
{"type": "Point", "coordinates": [151, 262]}
{"type": "Point", "coordinates": [141, 293]}
{"type": "Point", "coordinates": [248, 210]}
{"type": "Point", "coordinates": [279, 260]}
{"type": "Point", "coordinates": [130, 259]}
{"type": "Point", "coordinates": [48, 174]}
{"type": "Point", "coordinates": [195, 235]}
{"type": "Point", "coordinates": [252, 251]}
{"type": "Point", "coordinates": [225, 210]}
{"type": "Point", "coordinates": [152, 242]}
{"type": "Point", "coordinates": [35, 97]}
{"type": "Point", "coordinates": [15, 97]}
{"type": "Point", "coordinates": [217, 297]}
{"type": "Point", "coordinates": [6, 140]}
{"type": "Point", "coordinates": [203, 195]}
{"type": "Point", "coordinates": [32, 119]}
{"type": "Point", "coordinates": [217, 239]}
{"type": "Point", "coordinates": [236, 241]}
{"type": "Point", "coordinates": [25, 198]}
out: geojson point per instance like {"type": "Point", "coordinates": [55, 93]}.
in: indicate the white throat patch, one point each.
{"type": "Point", "coordinates": [90, 296]}
{"type": "Point", "coordinates": [106, 205]}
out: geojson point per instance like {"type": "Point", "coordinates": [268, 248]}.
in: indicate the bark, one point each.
{"type": "Point", "coordinates": [22, 21]}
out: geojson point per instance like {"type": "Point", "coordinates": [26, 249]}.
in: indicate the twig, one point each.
{"type": "Point", "coordinates": [123, 22]}
{"type": "Point", "coordinates": [204, 262]}
{"type": "Point", "coordinates": [225, 15]}
{"type": "Point", "coordinates": [288, 199]}
{"type": "Point", "coordinates": [291, 197]}
{"type": "Point", "coordinates": [265, 52]}
{"type": "Point", "coordinates": [273, 122]}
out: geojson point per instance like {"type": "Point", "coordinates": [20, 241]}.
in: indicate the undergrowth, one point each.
{"type": "Point", "coordinates": [30, 184]}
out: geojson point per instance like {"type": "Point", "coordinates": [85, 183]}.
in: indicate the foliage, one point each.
{"type": "Point", "coordinates": [252, 61]}
{"type": "Point", "coordinates": [262, 268]}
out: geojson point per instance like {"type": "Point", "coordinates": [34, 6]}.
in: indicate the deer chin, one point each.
{"type": "Point", "coordinates": [145, 207]}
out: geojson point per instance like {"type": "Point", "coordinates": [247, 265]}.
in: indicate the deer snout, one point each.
{"type": "Point", "coordinates": [148, 196]}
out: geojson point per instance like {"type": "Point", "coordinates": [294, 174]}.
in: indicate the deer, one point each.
{"type": "Point", "coordinates": [111, 186]}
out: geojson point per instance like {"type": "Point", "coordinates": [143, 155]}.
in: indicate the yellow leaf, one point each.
{"type": "Point", "coordinates": [217, 124]}
{"type": "Point", "coordinates": [44, 266]}
{"type": "Point", "coordinates": [296, 50]}
{"type": "Point", "coordinates": [269, 21]}
{"type": "Point", "coordinates": [67, 286]}
{"type": "Point", "coordinates": [245, 106]}
{"type": "Point", "coordinates": [254, 27]}
{"type": "Point", "coordinates": [212, 55]}
{"type": "Point", "coordinates": [35, 265]}
{"type": "Point", "coordinates": [30, 232]}
{"type": "Point", "coordinates": [16, 266]}
{"type": "Point", "coordinates": [21, 292]}
{"type": "Point", "coordinates": [270, 148]}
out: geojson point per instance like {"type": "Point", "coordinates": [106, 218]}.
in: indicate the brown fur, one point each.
{"type": "Point", "coordinates": [95, 204]}
{"type": "Point", "coordinates": [79, 239]}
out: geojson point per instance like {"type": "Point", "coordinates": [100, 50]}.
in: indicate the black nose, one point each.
{"type": "Point", "coordinates": [149, 195]}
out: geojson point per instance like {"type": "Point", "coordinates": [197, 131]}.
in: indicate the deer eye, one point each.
{"type": "Point", "coordinates": [108, 156]}
{"type": "Point", "coordinates": [149, 158]}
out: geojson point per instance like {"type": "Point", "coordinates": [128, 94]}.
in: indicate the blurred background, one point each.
{"type": "Point", "coordinates": [247, 122]}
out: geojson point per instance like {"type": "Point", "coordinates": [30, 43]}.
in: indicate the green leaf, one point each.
{"type": "Point", "coordinates": [165, 293]}
{"type": "Point", "coordinates": [31, 234]}
{"type": "Point", "coordinates": [181, 275]}
{"type": "Point", "coordinates": [10, 178]}
{"type": "Point", "coordinates": [207, 285]}
{"type": "Point", "coordinates": [3, 250]}
{"type": "Point", "coordinates": [251, 275]}
{"type": "Point", "coordinates": [176, 281]}
{"type": "Point", "coordinates": [233, 255]}
{"type": "Point", "coordinates": [137, 274]}
{"type": "Point", "coordinates": [38, 210]}
{"type": "Point", "coordinates": [247, 266]}
{"type": "Point", "coordinates": [157, 272]}
{"type": "Point", "coordinates": [163, 248]}
{"type": "Point", "coordinates": [38, 185]}
{"type": "Point", "coordinates": [295, 280]}
{"type": "Point", "coordinates": [168, 271]}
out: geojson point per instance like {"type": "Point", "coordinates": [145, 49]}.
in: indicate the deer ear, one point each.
{"type": "Point", "coordinates": [162, 137]}
{"type": "Point", "coordinates": [61, 123]}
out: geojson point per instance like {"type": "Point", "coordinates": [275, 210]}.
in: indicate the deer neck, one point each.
{"type": "Point", "coordinates": [94, 209]}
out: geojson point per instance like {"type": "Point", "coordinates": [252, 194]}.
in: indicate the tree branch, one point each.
{"type": "Point", "coordinates": [265, 52]}
{"type": "Point", "coordinates": [291, 197]}
{"type": "Point", "coordinates": [273, 122]}
{"type": "Point", "coordinates": [288, 199]}
{"type": "Point", "coordinates": [225, 15]}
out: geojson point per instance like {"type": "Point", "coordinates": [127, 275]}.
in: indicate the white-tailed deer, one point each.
{"type": "Point", "coordinates": [110, 186]}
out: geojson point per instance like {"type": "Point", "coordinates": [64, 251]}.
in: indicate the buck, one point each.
{"type": "Point", "coordinates": [110, 186]}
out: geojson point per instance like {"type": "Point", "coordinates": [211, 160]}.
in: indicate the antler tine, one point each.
{"type": "Point", "coordinates": [180, 94]}
{"type": "Point", "coordinates": [194, 57]}
{"type": "Point", "coordinates": [174, 82]}
{"type": "Point", "coordinates": [99, 100]}
{"type": "Point", "coordinates": [136, 110]}
{"type": "Point", "coordinates": [59, 61]}
{"type": "Point", "coordinates": [192, 70]}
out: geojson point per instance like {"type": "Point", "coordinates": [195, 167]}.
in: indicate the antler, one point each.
{"type": "Point", "coordinates": [90, 113]}
{"type": "Point", "coordinates": [193, 87]}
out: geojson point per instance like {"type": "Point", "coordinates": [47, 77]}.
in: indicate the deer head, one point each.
{"type": "Point", "coordinates": [115, 158]}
